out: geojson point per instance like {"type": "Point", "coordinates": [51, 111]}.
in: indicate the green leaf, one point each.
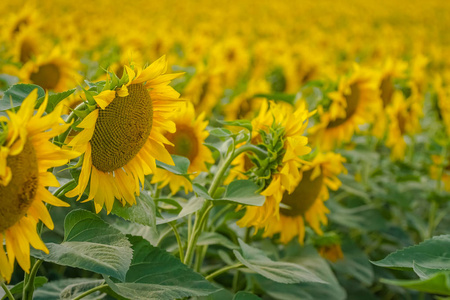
{"type": "Point", "coordinates": [221, 132]}
{"type": "Point", "coordinates": [431, 254]}
{"type": "Point", "coordinates": [283, 272]}
{"type": "Point", "coordinates": [54, 99]}
{"type": "Point", "coordinates": [73, 290]}
{"type": "Point", "coordinates": [15, 95]}
{"type": "Point", "coordinates": [214, 238]}
{"type": "Point", "coordinates": [38, 282]}
{"type": "Point", "coordinates": [65, 288]}
{"type": "Point", "coordinates": [239, 123]}
{"type": "Point", "coordinates": [7, 80]}
{"type": "Point", "coordinates": [355, 263]}
{"type": "Point", "coordinates": [201, 191]}
{"type": "Point", "coordinates": [90, 244]}
{"type": "Point", "coordinates": [289, 98]}
{"type": "Point", "coordinates": [308, 258]}
{"type": "Point", "coordinates": [143, 212]}
{"type": "Point", "coordinates": [180, 168]}
{"type": "Point", "coordinates": [243, 192]}
{"type": "Point", "coordinates": [193, 205]}
{"type": "Point", "coordinates": [155, 274]}
{"type": "Point", "coordinates": [245, 296]}
{"type": "Point", "coordinates": [437, 284]}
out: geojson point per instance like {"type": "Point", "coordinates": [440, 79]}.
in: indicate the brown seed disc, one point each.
{"type": "Point", "coordinates": [47, 76]}
{"type": "Point", "coordinates": [352, 104]}
{"type": "Point", "coordinates": [122, 129]}
{"type": "Point", "coordinates": [185, 142]}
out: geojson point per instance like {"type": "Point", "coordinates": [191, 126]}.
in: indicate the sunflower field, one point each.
{"type": "Point", "coordinates": [230, 150]}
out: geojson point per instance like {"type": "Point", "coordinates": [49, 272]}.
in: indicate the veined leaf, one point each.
{"type": "Point", "coordinates": [243, 192]}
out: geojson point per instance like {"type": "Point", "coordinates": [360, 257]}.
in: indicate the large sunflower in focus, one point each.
{"type": "Point", "coordinates": [25, 156]}
{"type": "Point", "coordinates": [353, 104]}
{"type": "Point", "coordinates": [289, 125]}
{"type": "Point", "coordinates": [122, 137]}
{"type": "Point", "coordinates": [187, 141]}
{"type": "Point", "coordinates": [306, 202]}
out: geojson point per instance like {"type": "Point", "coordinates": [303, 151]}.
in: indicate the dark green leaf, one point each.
{"type": "Point", "coordinates": [190, 207]}
{"type": "Point", "coordinates": [355, 263]}
{"type": "Point", "coordinates": [90, 244]}
{"type": "Point", "coordinates": [73, 290]}
{"type": "Point", "coordinates": [54, 99]}
{"type": "Point", "coordinates": [214, 238]}
{"type": "Point", "coordinates": [431, 254]}
{"type": "Point", "coordinates": [155, 274]}
{"type": "Point", "coordinates": [53, 290]}
{"type": "Point", "coordinates": [201, 191]}
{"type": "Point", "coordinates": [283, 272]}
{"type": "Point", "coordinates": [243, 192]}
{"type": "Point", "coordinates": [15, 95]}
{"type": "Point", "coordinates": [245, 296]}
{"type": "Point", "coordinates": [38, 282]}
{"type": "Point", "coordinates": [438, 284]}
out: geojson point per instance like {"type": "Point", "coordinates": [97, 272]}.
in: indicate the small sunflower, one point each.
{"type": "Point", "coordinates": [403, 116]}
{"type": "Point", "coordinates": [332, 252]}
{"type": "Point", "coordinates": [121, 137]}
{"type": "Point", "coordinates": [352, 105]}
{"type": "Point", "coordinates": [27, 44]}
{"type": "Point", "coordinates": [56, 72]}
{"type": "Point", "coordinates": [443, 103]}
{"type": "Point", "coordinates": [289, 126]}
{"type": "Point", "coordinates": [306, 201]}
{"type": "Point", "coordinates": [187, 141]}
{"type": "Point", "coordinates": [25, 156]}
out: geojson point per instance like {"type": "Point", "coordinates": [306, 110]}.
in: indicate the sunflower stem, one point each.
{"type": "Point", "coordinates": [432, 224]}
{"type": "Point", "coordinates": [7, 291]}
{"type": "Point", "coordinates": [93, 290]}
{"type": "Point", "coordinates": [177, 236]}
{"type": "Point", "coordinates": [223, 270]}
{"type": "Point", "coordinates": [202, 215]}
{"type": "Point", "coordinates": [28, 287]}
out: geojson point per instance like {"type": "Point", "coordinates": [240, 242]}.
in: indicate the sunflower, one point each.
{"type": "Point", "coordinates": [25, 156]}
{"type": "Point", "coordinates": [26, 45]}
{"type": "Point", "coordinates": [443, 102]}
{"type": "Point", "coordinates": [187, 141]}
{"type": "Point", "coordinates": [56, 72]}
{"type": "Point", "coordinates": [306, 201]}
{"type": "Point", "coordinates": [352, 105]}
{"type": "Point", "coordinates": [332, 252]}
{"type": "Point", "coordinates": [289, 125]}
{"type": "Point", "coordinates": [391, 71]}
{"type": "Point", "coordinates": [403, 116]}
{"type": "Point", "coordinates": [121, 137]}
{"type": "Point", "coordinates": [26, 17]}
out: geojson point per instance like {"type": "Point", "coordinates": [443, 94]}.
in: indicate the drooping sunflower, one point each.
{"type": "Point", "coordinates": [187, 141]}
{"type": "Point", "coordinates": [279, 119]}
{"type": "Point", "coordinates": [56, 72]}
{"type": "Point", "coordinates": [25, 156]}
{"type": "Point", "coordinates": [403, 117]}
{"type": "Point", "coordinates": [306, 201]}
{"type": "Point", "coordinates": [353, 104]}
{"type": "Point", "coordinates": [122, 137]}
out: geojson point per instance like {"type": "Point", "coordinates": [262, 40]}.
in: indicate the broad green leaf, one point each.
{"type": "Point", "coordinates": [221, 132]}
{"type": "Point", "coordinates": [15, 95]}
{"type": "Point", "coordinates": [72, 291]}
{"type": "Point", "coordinates": [54, 290]}
{"type": "Point", "coordinates": [54, 99]}
{"type": "Point", "coordinates": [431, 254]}
{"type": "Point", "coordinates": [143, 212]}
{"type": "Point", "coordinates": [308, 258]}
{"type": "Point", "coordinates": [193, 205]}
{"type": "Point", "coordinates": [180, 168]}
{"type": "Point", "coordinates": [201, 191]}
{"type": "Point", "coordinates": [243, 192]}
{"type": "Point", "coordinates": [7, 80]}
{"type": "Point", "coordinates": [279, 271]}
{"type": "Point", "coordinates": [423, 272]}
{"type": "Point", "coordinates": [355, 263]}
{"type": "Point", "coordinates": [16, 289]}
{"type": "Point", "coordinates": [364, 218]}
{"type": "Point", "coordinates": [245, 296]}
{"type": "Point", "coordinates": [90, 244]}
{"type": "Point", "coordinates": [437, 284]}
{"type": "Point", "coordinates": [215, 238]}
{"type": "Point", "coordinates": [156, 274]}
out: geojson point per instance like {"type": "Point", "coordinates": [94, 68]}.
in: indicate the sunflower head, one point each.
{"type": "Point", "coordinates": [122, 134]}
{"type": "Point", "coordinates": [25, 156]}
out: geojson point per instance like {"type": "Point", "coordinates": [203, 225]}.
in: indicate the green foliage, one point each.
{"type": "Point", "coordinates": [90, 244]}
{"type": "Point", "coordinates": [243, 192]}
{"type": "Point", "coordinates": [180, 168]}
{"type": "Point", "coordinates": [155, 274]}
{"type": "Point", "coordinates": [14, 96]}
